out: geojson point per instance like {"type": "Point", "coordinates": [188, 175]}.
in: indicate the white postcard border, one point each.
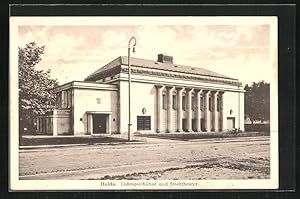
{"type": "Point", "coordinates": [17, 185]}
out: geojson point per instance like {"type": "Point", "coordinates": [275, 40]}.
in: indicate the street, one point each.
{"type": "Point", "coordinates": [161, 159]}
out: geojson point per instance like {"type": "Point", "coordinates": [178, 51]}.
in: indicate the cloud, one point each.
{"type": "Point", "coordinates": [73, 52]}
{"type": "Point", "coordinates": [113, 39]}
{"type": "Point", "coordinates": [216, 54]}
{"type": "Point", "coordinates": [63, 46]}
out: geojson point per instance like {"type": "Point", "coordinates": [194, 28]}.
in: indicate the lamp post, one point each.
{"type": "Point", "coordinates": [239, 107]}
{"type": "Point", "coordinates": [129, 86]}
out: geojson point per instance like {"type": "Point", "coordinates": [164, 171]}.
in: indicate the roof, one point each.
{"type": "Point", "coordinates": [144, 63]}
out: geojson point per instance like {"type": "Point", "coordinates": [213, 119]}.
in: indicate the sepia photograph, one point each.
{"type": "Point", "coordinates": [129, 103]}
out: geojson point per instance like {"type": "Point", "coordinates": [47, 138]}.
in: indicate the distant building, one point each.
{"type": "Point", "coordinates": [166, 97]}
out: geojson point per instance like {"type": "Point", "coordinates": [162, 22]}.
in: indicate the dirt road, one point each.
{"type": "Point", "coordinates": [233, 158]}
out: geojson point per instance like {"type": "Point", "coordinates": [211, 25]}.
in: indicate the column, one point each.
{"type": "Point", "coordinates": [179, 109]}
{"type": "Point", "coordinates": [50, 124]}
{"type": "Point", "coordinates": [54, 124]}
{"type": "Point", "coordinates": [90, 123]}
{"type": "Point", "coordinates": [37, 124]}
{"type": "Point", "coordinates": [169, 108]}
{"type": "Point", "coordinates": [159, 107]}
{"type": "Point", "coordinates": [109, 124]}
{"type": "Point", "coordinates": [189, 109]}
{"type": "Point", "coordinates": [46, 125]}
{"type": "Point", "coordinates": [215, 112]}
{"type": "Point", "coordinates": [242, 126]}
{"type": "Point", "coordinates": [222, 125]}
{"type": "Point", "coordinates": [63, 99]}
{"type": "Point", "coordinates": [198, 110]}
{"type": "Point", "coordinates": [207, 112]}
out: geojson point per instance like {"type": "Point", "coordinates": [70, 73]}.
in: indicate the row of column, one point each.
{"type": "Point", "coordinates": [44, 124]}
{"type": "Point", "coordinates": [207, 112]}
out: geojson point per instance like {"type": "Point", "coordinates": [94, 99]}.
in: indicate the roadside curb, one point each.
{"type": "Point", "coordinates": [146, 141]}
{"type": "Point", "coordinates": [71, 145]}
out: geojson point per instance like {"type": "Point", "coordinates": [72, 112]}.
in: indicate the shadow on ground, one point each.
{"type": "Point", "coordinates": [257, 168]}
{"type": "Point", "coordinates": [202, 135]}
{"type": "Point", "coordinates": [35, 141]}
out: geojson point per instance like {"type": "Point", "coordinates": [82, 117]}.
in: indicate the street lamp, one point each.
{"type": "Point", "coordinates": [239, 107]}
{"type": "Point", "coordinates": [129, 85]}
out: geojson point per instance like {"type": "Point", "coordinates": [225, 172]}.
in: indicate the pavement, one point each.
{"type": "Point", "coordinates": [157, 158]}
{"type": "Point", "coordinates": [139, 140]}
{"type": "Point", "coordinates": [74, 145]}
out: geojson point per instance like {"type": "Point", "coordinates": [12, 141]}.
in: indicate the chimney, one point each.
{"type": "Point", "coordinates": [164, 58]}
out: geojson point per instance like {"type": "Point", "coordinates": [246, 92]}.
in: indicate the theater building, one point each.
{"type": "Point", "coordinates": [165, 98]}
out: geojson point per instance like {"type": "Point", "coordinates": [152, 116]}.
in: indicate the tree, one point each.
{"type": "Point", "coordinates": [257, 101]}
{"type": "Point", "coordinates": [34, 87]}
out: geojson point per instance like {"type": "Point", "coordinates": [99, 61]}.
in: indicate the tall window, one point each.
{"type": "Point", "coordinates": [218, 103]}
{"type": "Point", "coordinates": [183, 102]}
{"type": "Point", "coordinates": [58, 100]}
{"type": "Point", "coordinates": [174, 101]}
{"type": "Point", "coordinates": [40, 125]}
{"type": "Point", "coordinates": [64, 99]}
{"type": "Point", "coordinates": [210, 104]}
{"type": "Point", "coordinates": [164, 98]}
{"type": "Point", "coordinates": [69, 98]}
{"type": "Point", "coordinates": [202, 103]}
{"type": "Point", "coordinates": [44, 125]}
{"type": "Point", "coordinates": [193, 103]}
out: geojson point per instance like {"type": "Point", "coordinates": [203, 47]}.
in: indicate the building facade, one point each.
{"type": "Point", "coordinates": [165, 98]}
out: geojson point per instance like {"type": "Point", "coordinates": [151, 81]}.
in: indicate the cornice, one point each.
{"type": "Point", "coordinates": [141, 71]}
{"type": "Point", "coordinates": [84, 85]}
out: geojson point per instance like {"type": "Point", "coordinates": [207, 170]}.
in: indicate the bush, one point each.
{"type": "Point", "coordinates": [235, 131]}
{"type": "Point", "coordinates": [259, 127]}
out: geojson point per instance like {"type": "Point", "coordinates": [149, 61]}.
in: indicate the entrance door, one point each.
{"type": "Point", "coordinates": [184, 128]}
{"type": "Point", "coordinates": [230, 123]}
{"type": "Point", "coordinates": [194, 125]}
{"type": "Point", "coordinates": [202, 124]}
{"type": "Point", "coordinates": [99, 123]}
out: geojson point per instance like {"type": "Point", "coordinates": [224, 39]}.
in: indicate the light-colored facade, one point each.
{"type": "Point", "coordinates": [166, 98]}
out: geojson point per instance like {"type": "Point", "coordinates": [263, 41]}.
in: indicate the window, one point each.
{"type": "Point", "coordinates": [50, 124]}
{"type": "Point", "coordinates": [98, 99]}
{"type": "Point", "coordinates": [164, 98]}
{"type": "Point", "coordinates": [174, 101]}
{"type": "Point", "coordinates": [44, 125]}
{"type": "Point", "coordinates": [218, 104]}
{"type": "Point", "coordinates": [193, 103]}
{"type": "Point", "coordinates": [40, 125]}
{"type": "Point", "coordinates": [69, 98]}
{"type": "Point", "coordinates": [183, 103]}
{"type": "Point", "coordinates": [64, 99]}
{"type": "Point", "coordinates": [202, 103]}
{"type": "Point", "coordinates": [143, 122]}
{"type": "Point", "coordinates": [210, 104]}
{"type": "Point", "coordinates": [58, 100]}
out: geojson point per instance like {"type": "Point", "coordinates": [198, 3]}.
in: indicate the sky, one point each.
{"type": "Point", "coordinates": [72, 52]}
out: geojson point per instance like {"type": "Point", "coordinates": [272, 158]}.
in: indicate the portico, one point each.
{"type": "Point", "coordinates": [197, 104]}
